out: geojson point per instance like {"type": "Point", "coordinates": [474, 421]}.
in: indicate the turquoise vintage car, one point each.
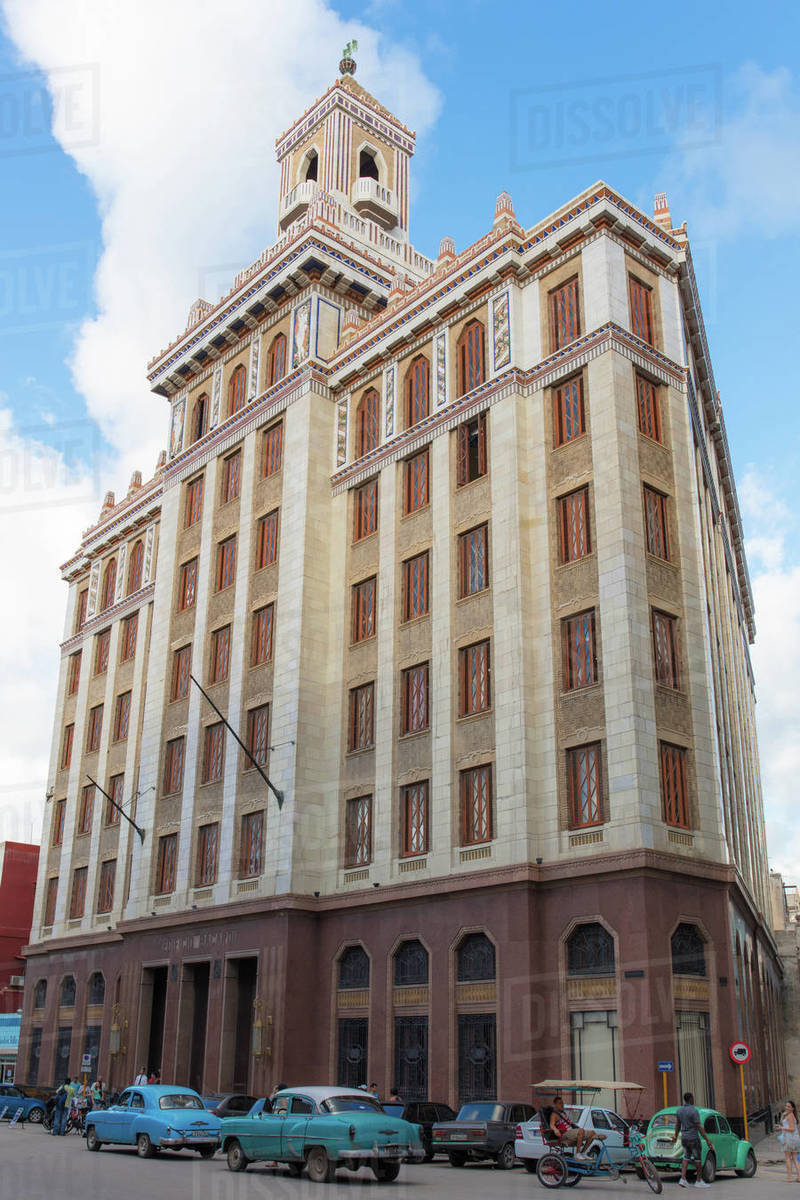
{"type": "Point", "coordinates": [729, 1153]}
{"type": "Point", "coordinates": [321, 1129]}
{"type": "Point", "coordinates": [155, 1117]}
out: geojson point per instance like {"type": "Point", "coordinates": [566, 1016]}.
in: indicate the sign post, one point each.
{"type": "Point", "coordinates": [740, 1054]}
{"type": "Point", "coordinates": [666, 1066]}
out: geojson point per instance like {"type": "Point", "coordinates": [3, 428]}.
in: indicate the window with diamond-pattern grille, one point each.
{"type": "Point", "coordinates": [130, 628]}
{"type": "Point", "coordinates": [470, 358]}
{"type": "Point", "coordinates": [367, 423]}
{"type": "Point", "coordinates": [584, 786]}
{"type": "Point", "coordinates": [207, 843]}
{"type": "Point", "coordinates": [361, 735]}
{"type": "Point", "coordinates": [641, 309]}
{"type": "Point", "coordinates": [231, 477]}
{"type": "Point", "coordinates": [273, 450]}
{"type": "Point", "coordinates": [414, 715]}
{"type": "Point", "coordinates": [674, 790]}
{"type": "Point", "coordinates": [569, 414]}
{"type": "Point", "coordinates": [415, 490]}
{"type": "Point", "coordinates": [220, 654]}
{"type": "Point", "coordinates": [237, 389]}
{"type": "Point", "coordinates": [66, 747]}
{"type": "Point", "coordinates": [122, 716]}
{"type": "Point", "coordinates": [365, 510]}
{"type": "Point", "coordinates": [473, 575]}
{"type": "Point", "coordinates": [476, 805]}
{"type": "Point", "coordinates": [250, 859]}
{"type": "Point", "coordinates": [417, 391]}
{"type": "Point", "coordinates": [414, 819]}
{"type": "Point", "coordinates": [212, 753]}
{"type": "Point", "coordinates": [173, 766]}
{"type": "Point", "coordinates": [105, 890]}
{"type": "Point", "coordinates": [258, 735]}
{"type": "Point", "coordinates": [50, 900]}
{"type": "Point", "coordinates": [648, 407]}
{"type": "Point", "coordinates": [565, 322]}
{"type": "Point", "coordinates": [135, 568]}
{"type": "Point", "coordinates": [573, 525]}
{"type": "Point", "coordinates": [474, 689]}
{"type": "Point", "coordinates": [580, 658]}
{"type": "Point", "coordinates": [194, 502]}
{"type": "Point", "coordinates": [116, 785]}
{"type": "Point", "coordinates": [262, 634]}
{"type": "Point", "coordinates": [101, 649]}
{"type": "Point", "coordinates": [78, 899]}
{"type": "Point", "coordinates": [181, 666]}
{"type": "Point", "coordinates": [471, 450]}
{"type": "Point", "coordinates": [95, 729]}
{"type": "Point", "coordinates": [187, 585]}
{"type": "Point", "coordinates": [364, 610]}
{"type": "Point", "coordinates": [59, 812]}
{"type": "Point", "coordinates": [165, 864]}
{"type": "Point", "coordinates": [226, 563]}
{"type": "Point", "coordinates": [358, 832]}
{"type": "Point", "coordinates": [655, 521]}
{"type": "Point", "coordinates": [665, 649]}
{"type": "Point", "coordinates": [415, 587]}
{"type": "Point", "coordinates": [267, 540]}
{"type": "Point", "coordinates": [74, 672]}
{"type": "Point", "coordinates": [276, 362]}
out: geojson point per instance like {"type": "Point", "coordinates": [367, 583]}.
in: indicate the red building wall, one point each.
{"type": "Point", "coordinates": [19, 862]}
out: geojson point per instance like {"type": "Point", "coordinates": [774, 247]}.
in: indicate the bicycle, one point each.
{"type": "Point", "coordinates": [559, 1168]}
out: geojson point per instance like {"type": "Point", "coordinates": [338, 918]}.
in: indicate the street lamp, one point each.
{"type": "Point", "coordinates": [262, 1030]}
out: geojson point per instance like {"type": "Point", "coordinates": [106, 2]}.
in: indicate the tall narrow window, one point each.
{"type": "Point", "coordinates": [220, 654]}
{"type": "Point", "coordinates": [473, 573]}
{"type": "Point", "coordinates": [135, 567]}
{"type": "Point", "coordinates": [122, 717]}
{"type": "Point", "coordinates": [665, 649]}
{"type": "Point", "coordinates": [584, 788]}
{"type": "Point", "coordinates": [414, 819]}
{"type": "Point", "coordinates": [207, 850]}
{"type": "Point", "coordinates": [78, 899]}
{"type": "Point", "coordinates": [367, 423]}
{"type": "Point", "coordinates": [66, 746]}
{"type": "Point", "coordinates": [231, 477]}
{"type": "Point", "coordinates": [187, 585]}
{"type": "Point", "coordinates": [50, 900]}
{"type": "Point", "coordinates": [258, 735]}
{"type": "Point", "coordinates": [655, 523]}
{"type": "Point", "coordinates": [59, 812]}
{"type": "Point", "coordinates": [116, 785]}
{"type": "Point", "coordinates": [226, 563]}
{"type": "Point", "coordinates": [674, 791]}
{"type": "Point", "coordinates": [363, 603]}
{"type": "Point", "coordinates": [200, 417]}
{"type": "Point", "coordinates": [73, 673]}
{"type": "Point", "coordinates": [470, 358]}
{"type": "Point", "coordinates": [358, 832]}
{"type": "Point", "coordinates": [262, 635]}
{"type": "Point", "coordinates": [471, 450]}
{"type": "Point", "coordinates": [649, 410]}
{"type": "Point", "coordinates": [267, 540]}
{"type": "Point", "coordinates": [273, 450]}
{"type": "Point", "coordinates": [473, 669]}
{"type": "Point", "coordinates": [102, 644]}
{"type": "Point", "coordinates": [568, 410]}
{"type": "Point", "coordinates": [417, 391]}
{"type": "Point", "coordinates": [236, 390]}
{"type": "Point", "coordinates": [95, 728]}
{"type": "Point", "coordinates": [130, 628]}
{"type": "Point", "coordinates": [580, 658]}
{"type": "Point", "coordinates": [165, 864]}
{"type": "Point", "coordinates": [212, 753]}
{"type": "Point", "coordinates": [565, 322]}
{"type": "Point", "coordinates": [173, 766]}
{"type": "Point", "coordinates": [415, 491]}
{"type": "Point", "coordinates": [414, 699]}
{"type": "Point", "coordinates": [252, 850]}
{"type": "Point", "coordinates": [80, 610]}
{"type": "Point", "coordinates": [109, 585]}
{"type": "Point", "coordinates": [276, 360]}
{"type": "Point", "coordinates": [85, 810]}
{"type": "Point", "coordinates": [477, 820]}
{"type": "Point", "coordinates": [361, 733]}
{"type": "Point", "coordinates": [105, 890]}
{"type": "Point", "coordinates": [365, 510]}
{"type": "Point", "coordinates": [194, 502]}
{"type": "Point", "coordinates": [573, 525]}
{"type": "Point", "coordinates": [415, 587]}
{"type": "Point", "coordinates": [641, 309]}
{"type": "Point", "coordinates": [181, 666]}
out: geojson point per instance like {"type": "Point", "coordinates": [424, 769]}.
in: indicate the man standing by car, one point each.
{"type": "Point", "coordinates": [63, 1101]}
{"type": "Point", "coordinates": [687, 1125]}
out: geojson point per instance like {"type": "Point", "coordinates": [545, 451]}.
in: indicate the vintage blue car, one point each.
{"type": "Point", "coordinates": [155, 1117]}
{"type": "Point", "coordinates": [322, 1128]}
{"type": "Point", "coordinates": [13, 1098]}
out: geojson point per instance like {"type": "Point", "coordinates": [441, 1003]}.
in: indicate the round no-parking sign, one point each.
{"type": "Point", "coordinates": [739, 1052]}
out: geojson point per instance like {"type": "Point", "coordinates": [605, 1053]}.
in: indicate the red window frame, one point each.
{"type": "Point", "coordinates": [74, 672]}
{"type": "Point", "coordinates": [102, 647]}
{"type": "Point", "coordinates": [641, 298]}
{"type": "Point", "coordinates": [565, 316]}
{"type": "Point", "coordinates": [473, 561]}
{"type": "Point", "coordinates": [263, 621]}
{"type": "Point", "coordinates": [50, 900]}
{"type": "Point", "coordinates": [122, 716]}
{"type": "Point", "coordinates": [165, 864]}
{"type": "Point", "coordinates": [193, 510]}
{"type": "Point", "coordinates": [85, 810]}
{"type": "Point", "coordinates": [116, 785]}
{"type": "Point", "coordinates": [231, 477]}
{"type": "Point", "coordinates": [105, 890]}
{"type": "Point", "coordinates": [470, 357]}
{"type": "Point", "coordinates": [649, 408]}
{"type": "Point", "coordinates": [415, 699]}
{"type": "Point", "coordinates": [236, 390]}
{"type": "Point", "coordinates": [367, 423]}
{"type": "Point", "coordinates": [361, 718]}
{"type": "Point", "coordinates": [476, 801]}
{"type": "Point", "coordinates": [66, 746]}
{"type": "Point", "coordinates": [251, 853]}
{"type": "Point", "coordinates": [226, 563]}
{"type": "Point", "coordinates": [77, 902]}
{"type": "Point", "coordinates": [273, 450]}
{"type": "Point", "coordinates": [267, 540]}
{"type": "Point", "coordinates": [130, 630]}
{"type": "Point", "coordinates": [80, 611]}
{"type": "Point", "coordinates": [187, 585]}
{"type": "Point", "coordinates": [665, 649]}
{"type": "Point", "coordinates": [578, 641]}
{"type": "Point", "coordinates": [358, 832]}
{"type": "Point", "coordinates": [59, 813]}
{"type": "Point", "coordinates": [258, 736]}
{"type": "Point", "coordinates": [181, 668]}
{"type": "Point", "coordinates": [584, 785]}
{"type": "Point", "coordinates": [674, 786]}
{"type": "Point", "coordinates": [364, 604]}
{"type": "Point", "coordinates": [207, 854]}
{"type": "Point", "coordinates": [95, 729]}
{"type": "Point", "coordinates": [173, 766]}
{"type": "Point", "coordinates": [656, 523]}
{"type": "Point", "coordinates": [416, 589]}
{"type": "Point", "coordinates": [220, 656]}
{"type": "Point", "coordinates": [471, 451]}
{"type": "Point", "coordinates": [276, 360]}
{"type": "Point", "coordinates": [213, 752]}
{"type": "Point", "coordinates": [573, 525]}
{"type": "Point", "coordinates": [109, 585]}
{"type": "Point", "coordinates": [417, 391]}
{"type": "Point", "coordinates": [135, 568]}
{"type": "Point", "coordinates": [365, 510]}
{"type": "Point", "coordinates": [415, 826]}
{"type": "Point", "coordinates": [474, 679]}
{"type": "Point", "coordinates": [200, 417]}
{"type": "Point", "coordinates": [416, 482]}
{"type": "Point", "coordinates": [569, 417]}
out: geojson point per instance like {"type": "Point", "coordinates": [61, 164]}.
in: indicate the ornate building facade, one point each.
{"type": "Point", "coordinates": [453, 546]}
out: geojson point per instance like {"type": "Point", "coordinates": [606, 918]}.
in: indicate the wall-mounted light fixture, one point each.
{"type": "Point", "coordinates": [119, 1025]}
{"type": "Point", "coordinates": [262, 1030]}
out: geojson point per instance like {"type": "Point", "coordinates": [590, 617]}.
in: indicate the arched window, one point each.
{"type": "Point", "coordinates": [354, 968]}
{"type": "Point", "coordinates": [470, 357]}
{"type": "Point", "coordinates": [367, 165]}
{"type": "Point", "coordinates": [97, 989]}
{"type": "Point", "coordinates": [109, 584]}
{"type": "Point", "coordinates": [135, 568]}
{"type": "Point", "coordinates": [417, 391]}
{"type": "Point", "coordinates": [367, 423]}
{"type": "Point", "coordinates": [40, 994]}
{"type": "Point", "coordinates": [411, 965]}
{"type": "Point", "coordinates": [276, 363]}
{"type": "Point", "coordinates": [475, 959]}
{"type": "Point", "coordinates": [688, 951]}
{"type": "Point", "coordinates": [236, 390]}
{"type": "Point", "coordinates": [590, 951]}
{"type": "Point", "coordinates": [200, 417]}
{"type": "Point", "coordinates": [312, 168]}
{"type": "Point", "coordinates": [68, 992]}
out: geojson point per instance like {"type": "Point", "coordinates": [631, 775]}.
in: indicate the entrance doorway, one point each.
{"type": "Point", "coordinates": [190, 1051]}
{"type": "Point", "coordinates": [241, 979]}
{"type": "Point", "coordinates": [153, 1003]}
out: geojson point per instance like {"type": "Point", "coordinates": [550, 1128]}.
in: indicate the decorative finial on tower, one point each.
{"type": "Point", "coordinates": [447, 249]}
{"type": "Point", "coordinates": [661, 213]}
{"type": "Point", "coordinates": [504, 208]}
{"type": "Point", "coordinates": [348, 64]}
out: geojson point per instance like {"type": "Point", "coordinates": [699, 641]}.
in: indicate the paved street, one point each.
{"type": "Point", "coordinates": [36, 1166]}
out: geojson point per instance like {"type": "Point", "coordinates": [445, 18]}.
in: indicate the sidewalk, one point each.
{"type": "Point", "coordinates": [769, 1149]}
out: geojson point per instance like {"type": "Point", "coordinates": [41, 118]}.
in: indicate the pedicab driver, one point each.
{"type": "Point", "coordinates": [570, 1134]}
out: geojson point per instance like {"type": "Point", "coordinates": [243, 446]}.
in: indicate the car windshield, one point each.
{"type": "Point", "coordinates": [340, 1104]}
{"type": "Point", "coordinates": [481, 1112]}
{"type": "Point", "coordinates": [662, 1121]}
{"type": "Point", "coordinates": [180, 1100]}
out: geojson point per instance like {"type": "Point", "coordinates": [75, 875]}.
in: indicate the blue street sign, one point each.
{"type": "Point", "coordinates": [666, 1065]}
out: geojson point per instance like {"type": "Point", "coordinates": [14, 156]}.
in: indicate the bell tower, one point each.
{"type": "Point", "coordinates": [349, 149]}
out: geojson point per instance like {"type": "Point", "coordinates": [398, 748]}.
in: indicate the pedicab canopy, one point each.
{"type": "Point", "coordinates": [593, 1085]}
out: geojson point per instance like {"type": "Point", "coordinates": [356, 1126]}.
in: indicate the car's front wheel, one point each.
{"type": "Point", "coordinates": [92, 1140]}
{"type": "Point", "coordinates": [505, 1159]}
{"type": "Point", "coordinates": [144, 1147]}
{"type": "Point", "coordinates": [237, 1159]}
{"type": "Point", "coordinates": [386, 1172]}
{"type": "Point", "coordinates": [36, 1116]}
{"type": "Point", "coordinates": [750, 1166]}
{"type": "Point", "coordinates": [319, 1166]}
{"type": "Point", "coordinates": [709, 1173]}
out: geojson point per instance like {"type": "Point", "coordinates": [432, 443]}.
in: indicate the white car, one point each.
{"type": "Point", "coordinates": [529, 1146]}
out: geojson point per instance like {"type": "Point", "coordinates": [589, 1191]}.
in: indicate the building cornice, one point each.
{"type": "Point", "coordinates": [122, 609]}
{"type": "Point", "coordinates": [135, 510]}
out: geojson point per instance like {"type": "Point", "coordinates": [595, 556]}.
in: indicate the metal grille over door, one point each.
{"type": "Point", "coordinates": [352, 1057]}
{"type": "Point", "coordinates": [477, 1057]}
{"type": "Point", "coordinates": [411, 1057]}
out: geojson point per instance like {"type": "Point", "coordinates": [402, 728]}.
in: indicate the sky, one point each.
{"type": "Point", "coordinates": [138, 173]}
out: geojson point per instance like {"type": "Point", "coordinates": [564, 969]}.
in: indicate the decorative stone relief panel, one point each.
{"type": "Point", "coordinates": [255, 352]}
{"type": "Point", "coordinates": [176, 427]}
{"type": "Point", "coordinates": [216, 399]}
{"type": "Point", "coordinates": [440, 350]}
{"type": "Point", "coordinates": [341, 432]}
{"type": "Point", "coordinates": [501, 331]}
{"type": "Point", "coordinates": [301, 333]}
{"type": "Point", "coordinates": [122, 559]}
{"type": "Point", "coordinates": [148, 567]}
{"type": "Point", "coordinates": [389, 376]}
{"type": "Point", "coordinates": [94, 584]}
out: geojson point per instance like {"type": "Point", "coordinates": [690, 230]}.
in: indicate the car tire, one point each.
{"type": "Point", "coordinates": [36, 1116]}
{"type": "Point", "coordinates": [456, 1158]}
{"type": "Point", "coordinates": [505, 1159]}
{"type": "Point", "coordinates": [295, 1169]}
{"type": "Point", "coordinates": [709, 1172]}
{"type": "Point", "coordinates": [92, 1140]}
{"type": "Point", "coordinates": [144, 1147]}
{"type": "Point", "coordinates": [750, 1166]}
{"type": "Point", "coordinates": [207, 1151]}
{"type": "Point", "coordinates": [530, 1165]}
{"type": "Point", "coordinates": [386, 1172]}
{"type": "Point", "coordinates": [319, 1166]}
{"type": "Point", "coordinates": [237, 1159]}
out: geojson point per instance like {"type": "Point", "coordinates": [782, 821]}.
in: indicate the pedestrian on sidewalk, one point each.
{"type": "Point", "coordinates": [688, 1127]}
{"type": "Point", "coordinates": [790, 1137]}
{"type": "Point", "coordinates": [63, 1101]}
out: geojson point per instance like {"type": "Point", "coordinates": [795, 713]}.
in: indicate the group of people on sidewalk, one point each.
{"type": "Point", "coordinates": [78, 1098]}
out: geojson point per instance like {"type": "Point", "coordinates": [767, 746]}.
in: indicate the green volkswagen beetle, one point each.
{"type": "Point", "coordinates": [321, 1129]}
{"type": "Point", "coordinates": [729, 1153]}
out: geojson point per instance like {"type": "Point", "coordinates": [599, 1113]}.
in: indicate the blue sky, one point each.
{"type": "Point", "coordinates": [109, 230]}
